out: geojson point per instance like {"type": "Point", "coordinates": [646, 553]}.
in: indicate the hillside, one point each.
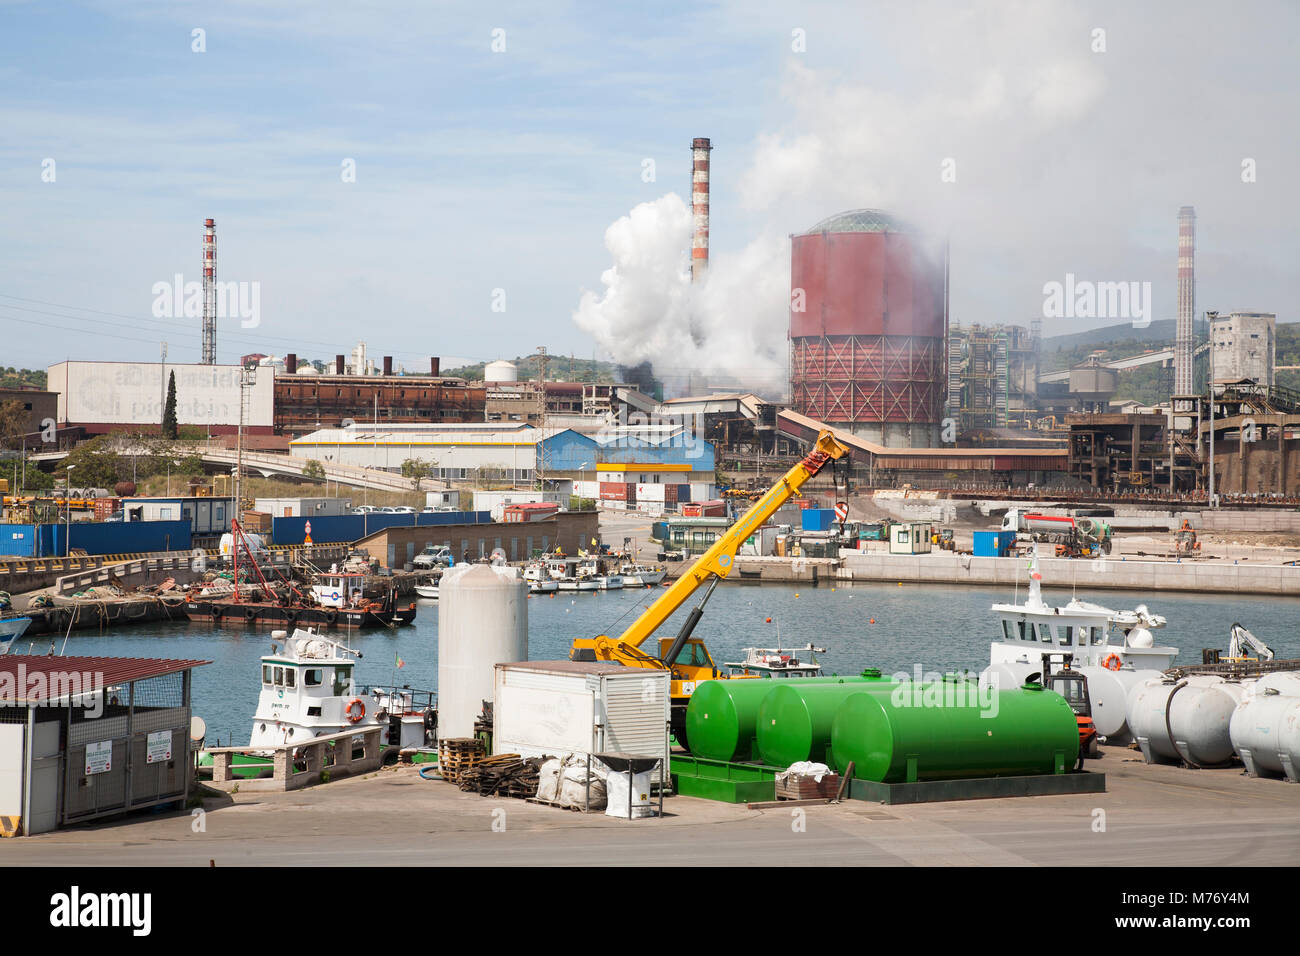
{"type": "Point", "coordinates": [21, 377]}
{"type": "Point", "coordinates": [566, 367]}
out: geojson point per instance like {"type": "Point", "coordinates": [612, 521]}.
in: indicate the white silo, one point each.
{"type": "Point", "coordinates": [482, 621]}
{"type": "Point", "coordinates": [500, 372]}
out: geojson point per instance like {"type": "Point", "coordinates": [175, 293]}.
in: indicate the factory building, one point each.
{"type": "Point", "coordinates": [1243, 346]}
{"type": "Point", "coordinates": [306, 400]}
{"type": "Point", "coordinates": [38, 406]}
{"type": "Point", "coordinates": [868, 322]}
{"type": "Point", "coordinates": [459, 452]}
{"type": "Point", "coordinates": [111, 396]}
{"type": "Point", "coordinates": [993, 376]}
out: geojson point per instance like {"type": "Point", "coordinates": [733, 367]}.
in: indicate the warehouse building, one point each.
{"type": "Point", "coordinates": [570, 531]}
{"type": "Point", "coordinates": [110, 396]}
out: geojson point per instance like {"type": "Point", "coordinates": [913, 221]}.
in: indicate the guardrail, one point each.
{"type": "Point", "coordinates": [334, 755]}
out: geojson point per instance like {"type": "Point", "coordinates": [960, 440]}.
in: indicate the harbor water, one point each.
{"type": "Point", "coordinates": [931, 627]}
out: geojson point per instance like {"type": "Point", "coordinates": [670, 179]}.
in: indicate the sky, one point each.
{"type": "Point", "coordinates": [501, 199]}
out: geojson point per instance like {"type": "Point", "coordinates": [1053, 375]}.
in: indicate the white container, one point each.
{"type": "Point", "coordinates": [586, 489]}
{"type": "Point", "coordinates": [1265, 731]}
{"type": "Point", "coordinates": [652, 492]}
{"type": "Point", "coordinates": [482, 621]}
{"type": "Point", "coordinates": [557, 708]}
{"type": "Point", "coordinates": [1107, 690]}
{"type": "Point", "coordinates": [1286, 683]}
{"type": "Point", "coordinates": [500, 372]}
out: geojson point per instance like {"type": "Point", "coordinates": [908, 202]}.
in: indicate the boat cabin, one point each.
{"type": "Point", "coordinates": [338, 590]}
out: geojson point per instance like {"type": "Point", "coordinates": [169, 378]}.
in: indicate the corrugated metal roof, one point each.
{"type": "Point", "coordinates": [20, 670]}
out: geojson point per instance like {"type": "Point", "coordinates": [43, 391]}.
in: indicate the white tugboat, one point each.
{"type": "Point", "coordinates": [1115, 650]}
{"type": "Point", "coordinates": [308, 691]}
{"type": "Point", "coordinates": [538, 577]}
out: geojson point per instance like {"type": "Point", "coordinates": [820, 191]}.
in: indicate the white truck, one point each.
{"type": "Point", "coordinates": [1078, 535]}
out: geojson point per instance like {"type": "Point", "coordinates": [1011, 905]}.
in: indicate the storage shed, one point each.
{"type": "Point", "coordinates": [88, 737]}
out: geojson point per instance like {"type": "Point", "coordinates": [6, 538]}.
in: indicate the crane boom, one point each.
{"type": "Point", "coordinates": [719, 560]}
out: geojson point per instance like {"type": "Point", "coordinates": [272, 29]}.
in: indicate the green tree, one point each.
{"type": "Point", "coordinates": [13, 424]}
{"type": "Point", "coordinates": [314, 470]}
{"type": "Point", "coordinates": [169, 412]}
{"type": "Point", "coordinates": [417, 469]}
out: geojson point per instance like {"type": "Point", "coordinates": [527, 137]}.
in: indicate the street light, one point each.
{"type": "Point", "coordinates": [67, 504]}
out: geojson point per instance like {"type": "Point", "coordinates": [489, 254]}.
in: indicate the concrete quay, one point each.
{"type": "Point", "coordinates": [1149, 816]}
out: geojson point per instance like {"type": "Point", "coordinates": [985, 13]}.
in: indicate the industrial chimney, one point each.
{"type": "Point", "coordinates": [291, 363]}
{"type": "Point", "coordinates": [339, 364]}
{"type": "Point", "coordinates": [435, 365]}
{"type": "Point", "coordinates": [1184, 340]}
{"type": "Point", "coordinates": [388, 365]}
{"type": "Point", "coordinates": [209, 352]}
{"type": "Point", "coordinates": [700, 207]}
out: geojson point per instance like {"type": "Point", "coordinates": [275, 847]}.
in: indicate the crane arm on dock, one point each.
{"type": "Point", "coordinates": [720, 559]}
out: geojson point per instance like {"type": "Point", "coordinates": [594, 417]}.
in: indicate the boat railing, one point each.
{"type": "Point", "coordinates": [420, 699]}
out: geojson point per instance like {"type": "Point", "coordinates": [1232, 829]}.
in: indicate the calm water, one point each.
{"type": "Point", "coordinates": [938, 627]}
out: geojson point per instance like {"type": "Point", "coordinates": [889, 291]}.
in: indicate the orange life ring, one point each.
{"type": "Point", "coordinates": [361, 710]}
{"type": "Point", "coordinates": [1115, 666]}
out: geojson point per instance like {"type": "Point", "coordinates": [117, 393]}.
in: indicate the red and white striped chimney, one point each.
{"type": "Point", "coordinates": [700, 207]}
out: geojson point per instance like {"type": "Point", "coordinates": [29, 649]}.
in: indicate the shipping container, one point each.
{"type": "Point", "coordinates": [994, 544]}
{"type": "Point", "coordinates": [817, 519]}
{"type": "Point", "coordinates": [651, 492]}
{"type": "Point", "coordinates": [530, 511]}
{"type": "Point", "coordinates": [107, 507]}
{"type": "Point", "coordinates": [555, 708]}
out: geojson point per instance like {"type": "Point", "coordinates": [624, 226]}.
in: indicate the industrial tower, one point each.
{"type": "Point", "coordinates": [700, 148]}
{"type": "Point", "coordinates": [209, 292]}
{"type": "Point", "coordinates": [1184, 340]}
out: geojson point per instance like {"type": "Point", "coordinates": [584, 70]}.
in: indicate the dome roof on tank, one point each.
{"type": "Point", "coordinates": [857, 220]}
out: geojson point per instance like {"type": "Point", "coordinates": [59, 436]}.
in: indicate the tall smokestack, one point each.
{"type": "Point", "coordinates": [338, 364]}
{"type": "Point", "coordinates": [434, 365]}
{"type": "Point", "coordinates": [291, 363]}
{"type": "Point", "coordinates": [209, 292]}
{"type": "Point", "coordinates": [388, 365]}
{"type": "Point", "coordinates": [1184, 340]}
{"type": "Point", "coordinates": [700, 208]}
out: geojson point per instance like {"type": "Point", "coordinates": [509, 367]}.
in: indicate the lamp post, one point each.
{"type": "Point", "coordinates": [67, 505]}
{"type": "Point", "coordinates": [581, 477]}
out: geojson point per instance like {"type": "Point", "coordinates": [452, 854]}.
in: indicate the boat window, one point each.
{"type": "Point", "coordinates": [279, 677]}
{"type": "Point", "coordinates": [1045, 633]}
{"type": "Point", "coordinates": [1067, 634]}
{"type": "Point", "coordinates": [266, 673]}
{"type": "Point", "coordinates": [1006, 631]}
{"type": "Point", "coordinates": [312, 676]}
{"type": "Point", "coordinates": [290, 677]}
{"type": "Point", "coordinates": [1021, 626]}
{"type": "Point", "coordinates": [1098, 635]}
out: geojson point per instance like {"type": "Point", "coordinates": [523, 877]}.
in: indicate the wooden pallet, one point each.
{"type": "Point", "coordinates": [799, 787]}
{"type": "Point", "coordinates": [457, 755]}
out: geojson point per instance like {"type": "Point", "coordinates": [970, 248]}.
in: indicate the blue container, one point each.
{"type": "Point", "coordinates": [994, 544]}
{"type": "Point", "coordinates": [818, 519]}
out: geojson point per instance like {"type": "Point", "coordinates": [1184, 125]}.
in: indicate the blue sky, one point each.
{"type": "Point", "coordinates": [479, 170]}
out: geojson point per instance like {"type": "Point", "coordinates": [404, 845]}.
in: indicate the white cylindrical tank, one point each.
{"type": "Point", "coordinates": [1286, 683]}
{"type": "Point", "coordinates": [1265, 731]}
{"type": "Point", "coordinates": [500, 372]}
{"type": "Point", "coordinates": [482, 621]}
{"type": "Point", "coordinates": [1107, 690]}
{"type": "Point", "coordinates": [1186, 719]}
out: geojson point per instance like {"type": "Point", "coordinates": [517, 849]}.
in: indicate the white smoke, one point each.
{"type": "Point", "coordinates": [726, 330]}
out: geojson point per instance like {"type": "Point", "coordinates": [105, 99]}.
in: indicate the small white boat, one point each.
{"type": "Point", "coordinates": [777, 662]}
{"type": "Point", "coordinates": [640, 575]}
{"type": "Point", "coordinates": [12, 628]}
{"type": "Point", "coordinates": [427, 591]}
{"type": "Point", "coordinates": [538, 577]}
{"type": "Point", "coordinates": [610, 582]}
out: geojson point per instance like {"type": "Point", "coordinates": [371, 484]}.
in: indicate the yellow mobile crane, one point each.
{"type": "Point", "coordinates": [685, 657]}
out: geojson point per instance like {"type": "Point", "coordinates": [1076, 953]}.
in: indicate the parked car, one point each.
{"type": "Point", "coordinates": [365, 510]}
{"type": "Point", "coordinates": [399, 510]}
{"type": "Point", "coordinates": [432, 557]}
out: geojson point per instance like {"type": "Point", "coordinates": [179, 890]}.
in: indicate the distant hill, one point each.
{"type": "Point", "coordinates": [20, 377]}
{"type": "Point", "coordinates": [565, 367]}
{"type": "Point", "coordinates": [1159, 333]}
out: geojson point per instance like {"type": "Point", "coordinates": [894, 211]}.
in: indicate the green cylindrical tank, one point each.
{"type": "Point", "coordinates": [794, 720]}
{"type": "Point", "coordinates": [907, 736]}
{"type": "Point", "coordinates": [721, 718]}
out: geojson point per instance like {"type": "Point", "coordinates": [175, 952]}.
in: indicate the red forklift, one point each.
{"type": "Point", "coordinates": [1073, 686]}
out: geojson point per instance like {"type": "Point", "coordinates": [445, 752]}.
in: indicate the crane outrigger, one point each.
{"type": "Point", "coordinates": [684, 656]}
